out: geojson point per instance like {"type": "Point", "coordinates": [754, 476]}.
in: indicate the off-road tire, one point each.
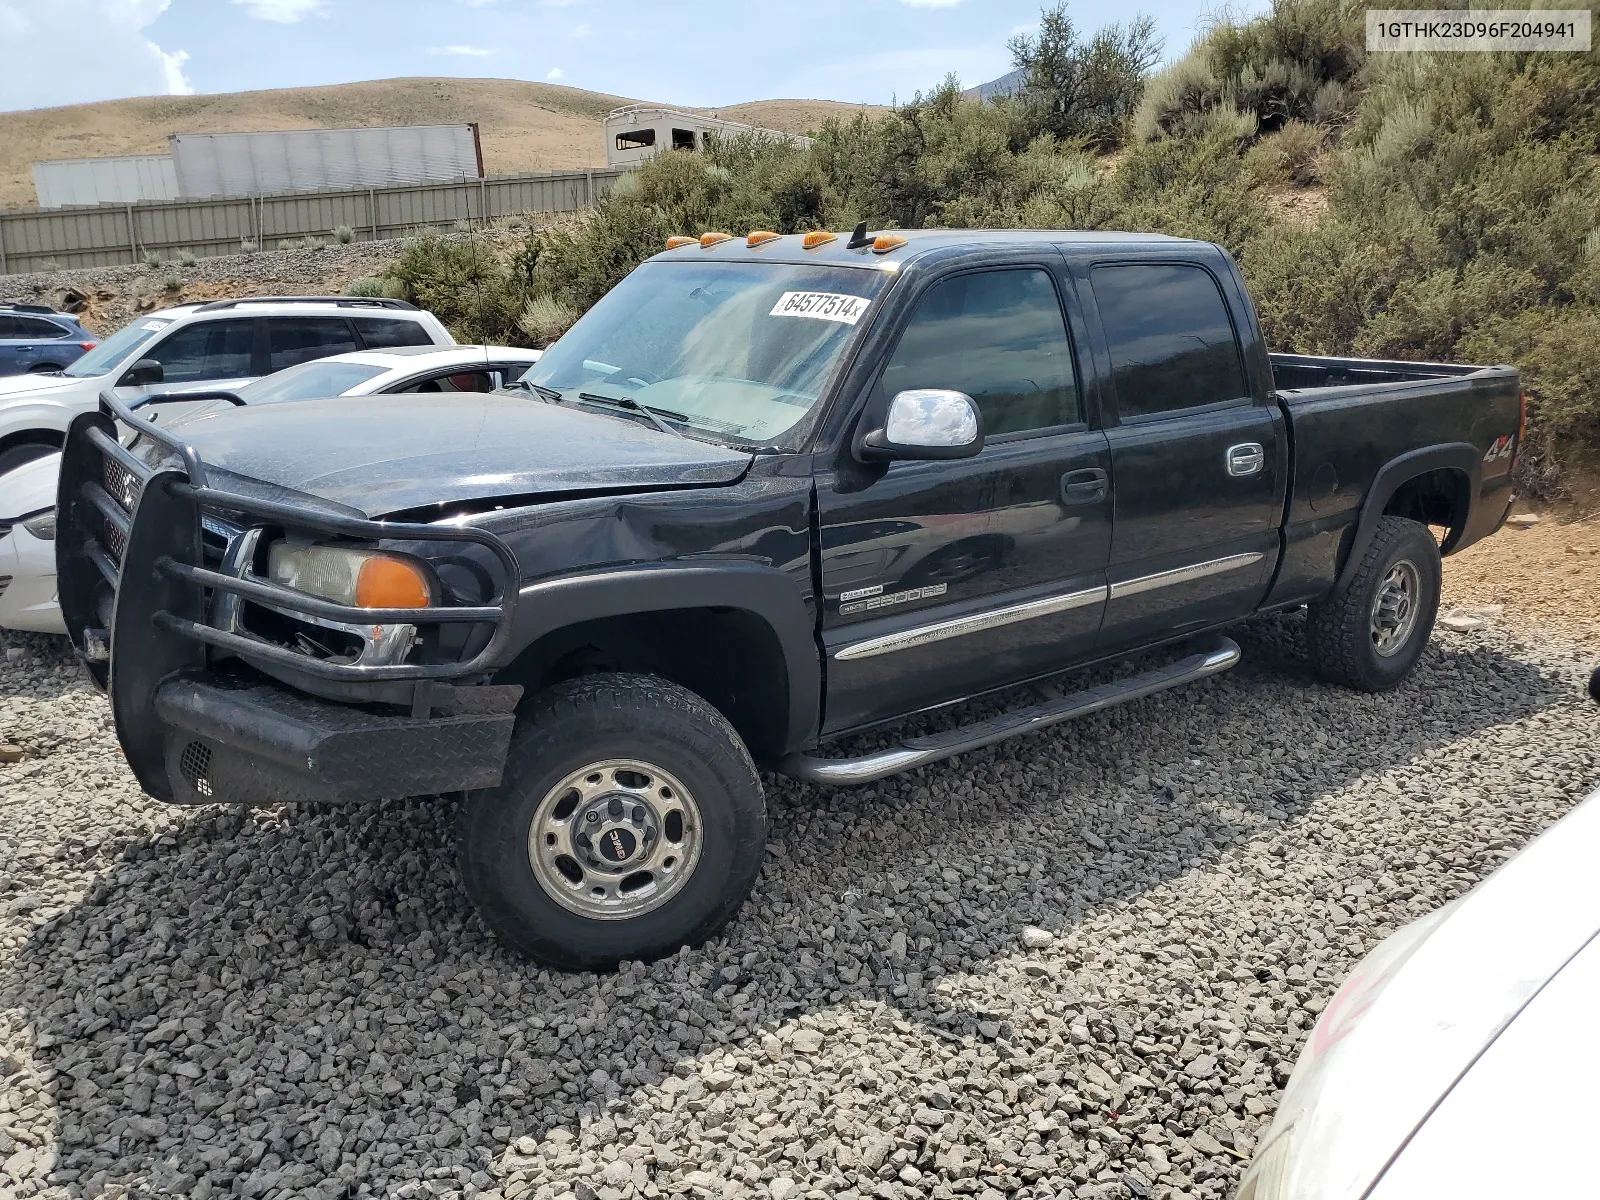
{"type": "Point", "coordinates": [598, 717]}
{"type": "Point", "coordinates": [1339, 630]}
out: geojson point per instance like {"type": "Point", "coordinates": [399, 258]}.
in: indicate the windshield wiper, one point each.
{"type": "Point", "coordinates": [632, 405]}
{"type": "Point", "coordinates": [548, 394]}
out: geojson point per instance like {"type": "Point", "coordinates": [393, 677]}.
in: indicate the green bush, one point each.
{"type": "Point", "coordinates": [344, 235]}
{"type": "Point", "coordinates": [1292, 155]}
{"type": "Point", "coordinates": [462, 282]}
{"type": "Point", "coordinates": [375, 286]}
{"type": "Point", "coordinates": [186, 258]}
{"type": "Point", "coordinates": [544, 319]}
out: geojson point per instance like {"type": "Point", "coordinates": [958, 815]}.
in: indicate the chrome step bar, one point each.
{"type": "Point", "coordinates": [1215, 656]}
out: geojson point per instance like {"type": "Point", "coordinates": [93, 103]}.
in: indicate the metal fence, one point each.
{"type": "Point", "coordinates": [113, 234]}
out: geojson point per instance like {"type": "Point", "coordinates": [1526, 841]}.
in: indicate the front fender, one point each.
{"type": "Point", "coordinates": [754, 587]}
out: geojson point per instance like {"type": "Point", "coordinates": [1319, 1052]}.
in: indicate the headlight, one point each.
{"type": "Point", "coordinates": [363, 578]}
{"type": "Point", "coordinates": [42, 525]}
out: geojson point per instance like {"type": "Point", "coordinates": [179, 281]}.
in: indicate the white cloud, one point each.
{"type": "Point", "coordinates": [581, 31]}
{"type": "Point", "coordinates": [554, 74]}
{"type": "Point", "coordinates": [461, 51]}
{"type": "Point", "coordinates": [284, 12]}
{"type": "Point", "coordinates": [77, 51]}
{"type": "Point", "coordinates": [560, 3]}
{"type": "Point", "coordinates": [475, 3]}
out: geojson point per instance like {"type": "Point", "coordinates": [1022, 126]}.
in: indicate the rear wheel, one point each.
{"type": "Point", "coordinates": [630, 821]}
{"type": "Point", "coordinates": [1369, 634]}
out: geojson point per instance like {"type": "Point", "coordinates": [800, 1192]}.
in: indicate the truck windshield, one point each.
{"type": "Point", "coordinates": [117, 347]}
{"type": "Point", "coordinates": [738, 350]}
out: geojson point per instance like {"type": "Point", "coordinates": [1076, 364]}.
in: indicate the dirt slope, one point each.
{"type": "Point", "coordinates": [524, 126]}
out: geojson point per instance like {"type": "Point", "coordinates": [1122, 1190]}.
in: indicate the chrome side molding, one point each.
{"type": "Point", "coordinates": [957, 626]}
{"type": "Point", "coordinates": [1215, 656]}
{"type": "Point", "coordinates": [1199, 570]}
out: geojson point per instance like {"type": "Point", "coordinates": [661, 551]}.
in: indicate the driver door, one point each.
{"type": "Point", "coordinates": [942, 579]}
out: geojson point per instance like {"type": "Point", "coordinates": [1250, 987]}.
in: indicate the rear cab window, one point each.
{"type": "Point", "coordinates": [1171, 342]}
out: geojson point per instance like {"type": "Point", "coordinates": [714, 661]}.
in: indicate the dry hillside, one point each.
{"type": "Point", "coordinates": [524, 126]}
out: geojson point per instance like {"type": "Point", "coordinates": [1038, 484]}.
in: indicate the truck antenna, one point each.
{"type": "Point", "coordinates": [859, 238]}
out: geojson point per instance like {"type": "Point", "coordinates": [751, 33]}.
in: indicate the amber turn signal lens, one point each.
{"type": "Point", "coordinates": [391, 583]}
{"type": "Point", "coordinates": [818, 237]}
{"type": "Point", "coordinates": [886, 242]}
{"type": "Point", "coordinates": [707, 240]}
{"type": "Point", "coordinates": [674, 242]}
{"type": "Point", "coordinates": [760, 237]}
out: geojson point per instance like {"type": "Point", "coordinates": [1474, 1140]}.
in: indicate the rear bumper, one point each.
{"type": "Point", "coordinates": [237, 740]}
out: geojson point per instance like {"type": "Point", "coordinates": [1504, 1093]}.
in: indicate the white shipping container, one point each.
{"type": "Point", "coordinates": [105, 180]}
{"type": "Point", "coordinates": [309, 160]}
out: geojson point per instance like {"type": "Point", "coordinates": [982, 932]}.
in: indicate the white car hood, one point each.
{"type": "Point", "coordinates": [1520, 1122]}
{"type": "Point", "coordinates": [12, 386]}
{"type": "Point", "coordinates": [1424, 1004]}
{"type": "Point", "coordinates": [30, 487]}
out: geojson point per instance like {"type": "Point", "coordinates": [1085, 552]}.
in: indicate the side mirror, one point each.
{"type": "Point", "coordinates": [926, 423]}
{"type": "Point", "coordinates": [145, 371]}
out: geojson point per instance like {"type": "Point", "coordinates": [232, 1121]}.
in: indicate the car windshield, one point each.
{"type": "Point", "coordinates": [739, 350]}
{"type": "Point", "coordinates": [117, 347]}
{"type": "Point", "coordinates": [314, 380]}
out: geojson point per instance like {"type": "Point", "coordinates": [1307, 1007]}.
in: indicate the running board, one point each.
{"type": "Point", "coordinates": [1217, 656]}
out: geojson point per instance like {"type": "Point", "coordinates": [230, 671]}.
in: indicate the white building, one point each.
{"type": "Point", "coordinates": [636, 133]}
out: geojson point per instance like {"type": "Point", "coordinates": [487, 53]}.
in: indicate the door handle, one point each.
{"type": "Point", "coordinates": [1083, 487]}
{"type": "Point", "coordinates": [1247, 458]}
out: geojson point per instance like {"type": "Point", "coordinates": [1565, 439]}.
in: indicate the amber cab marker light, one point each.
{"type": "Point", "coordinates": [818, 237]}
{"type": "Point", "coordinates": [674, 242]}
{"type": "Point", "coordinates": [390, 583]}
{"type": "Point", "coordinates": [708, 240]}
{"type": "Point", "coordinates": [886, 242]}
{"type": "Point", "coordinates": [760, 237]}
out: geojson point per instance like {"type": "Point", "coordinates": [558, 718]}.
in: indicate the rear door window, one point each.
{"type": "Point", "coordinates": [9, 329]}
{"type": "Point", "coordinates": [35, 329]}
{"type": "Point", "coordinates": [385, 334]}
{"type": "Point", "coordinates": [1172, 345]}
{"type": "Point", "coordinates": [294, 340]}
{"type": "Point", "coordinates": [206, 350]}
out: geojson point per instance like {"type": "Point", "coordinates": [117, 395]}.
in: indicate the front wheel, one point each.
{"type": "Point", "coordinates": [630, 821]}
{"type": "Point", "coordinates": [1369, 634]}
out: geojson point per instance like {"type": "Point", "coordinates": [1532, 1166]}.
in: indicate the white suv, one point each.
{"type": "Point", "coordinates": [196, 347]}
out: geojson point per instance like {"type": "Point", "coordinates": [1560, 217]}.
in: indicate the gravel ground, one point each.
{"type": "Point", "coordinates": [1079, 964]}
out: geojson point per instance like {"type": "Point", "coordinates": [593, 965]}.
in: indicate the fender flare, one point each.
{"type": "Point", "coordinates": [767, 593]}
{"type": "Point", "coordinates": [1459, 456]}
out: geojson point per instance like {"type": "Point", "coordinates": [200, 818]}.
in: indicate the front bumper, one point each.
{"type": "Point", "coordinates": [246, 741]}
{"type": "Point", "coordinates": [152, 613]}
{"type": "Point", "coordinates": [28, 584]}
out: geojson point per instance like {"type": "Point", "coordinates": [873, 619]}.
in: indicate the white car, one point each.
{"type": "Point", "coordinates": [222, 344]}
{"type": "Point", "coordinates": [1458, 1060]}
{"type": "Point", "coordinates": [28, 492]}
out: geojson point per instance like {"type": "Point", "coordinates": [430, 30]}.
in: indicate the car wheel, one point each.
{"type": "Point", "coordinates": [630, 821]}
{"type": "Point", "coordinates": [1369, 634]}
{"type": "Point", "coordinates": [14, 456]}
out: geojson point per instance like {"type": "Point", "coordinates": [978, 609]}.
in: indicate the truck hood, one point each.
{"type": "Point", "coordinates": [385, 454]}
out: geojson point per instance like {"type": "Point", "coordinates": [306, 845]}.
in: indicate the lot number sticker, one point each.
{"type": "Point", "coordinates": [825, 306]}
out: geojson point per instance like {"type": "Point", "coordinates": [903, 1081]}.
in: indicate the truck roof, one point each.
{"type": "Point", "coordinates": [789, 249]}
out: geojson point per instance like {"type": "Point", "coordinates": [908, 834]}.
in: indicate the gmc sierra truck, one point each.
{"type": "Point", "coordinates": [768, 492]}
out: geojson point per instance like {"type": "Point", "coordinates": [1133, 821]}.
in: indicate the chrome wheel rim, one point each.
{"type": "Point", "coordinates": [615, 839]}
{"type": "Point", "coordinates": [1395, 608]}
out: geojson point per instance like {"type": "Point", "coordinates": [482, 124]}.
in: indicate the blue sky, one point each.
{"type": "Point", "coordinates": [710, 53]}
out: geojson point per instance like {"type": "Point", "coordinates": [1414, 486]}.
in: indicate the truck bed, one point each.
{"type": "Point", "coordinates": [1295, 372]}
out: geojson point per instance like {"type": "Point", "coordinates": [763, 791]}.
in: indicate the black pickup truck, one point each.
{"type": "Point", "coordinates": [768, 492]}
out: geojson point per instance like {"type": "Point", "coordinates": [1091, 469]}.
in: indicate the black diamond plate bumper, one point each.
{"type": "Point", "coordinates": [247, 742]}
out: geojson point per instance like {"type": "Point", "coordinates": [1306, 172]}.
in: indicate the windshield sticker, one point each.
{"type": "Point", "coordinates": [825, 306]}
{"type": "Point", "coordinates": [152, 326]}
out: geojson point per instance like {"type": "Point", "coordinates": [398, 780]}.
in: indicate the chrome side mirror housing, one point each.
{"type": "Point", "coordinates": [926, 423]}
